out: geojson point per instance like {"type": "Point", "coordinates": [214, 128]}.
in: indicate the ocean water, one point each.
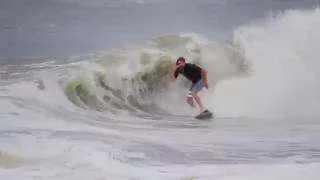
{"type": "Point", "coordinates": [85, 92]}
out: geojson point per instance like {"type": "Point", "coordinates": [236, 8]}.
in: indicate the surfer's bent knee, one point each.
{"type": "Point", "coordinates": [194, 93]}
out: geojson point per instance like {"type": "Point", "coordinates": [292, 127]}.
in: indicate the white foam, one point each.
{"type": "Point", "coordinates": [284, 54]}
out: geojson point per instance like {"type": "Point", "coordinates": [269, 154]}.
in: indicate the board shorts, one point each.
{"type": "Point", "coordinates": [196, 87]}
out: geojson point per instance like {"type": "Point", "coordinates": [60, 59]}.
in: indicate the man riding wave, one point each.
{"type": "Point", "coordinates": [196, 75]}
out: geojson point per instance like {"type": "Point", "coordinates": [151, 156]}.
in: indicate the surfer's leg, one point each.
{"type": "Point", "coordinates": [198, 100]}
{"type": "Point", "coordinates": [194, 92]}
{"type": "Point", "coordinates": [190, 99]}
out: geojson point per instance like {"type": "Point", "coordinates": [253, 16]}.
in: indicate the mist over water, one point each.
{"type": "Point", "coordinates": [111, 112]}
{"type": "Point", "coordinates": [283, 56]}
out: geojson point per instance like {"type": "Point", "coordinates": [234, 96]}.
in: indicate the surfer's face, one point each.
{"type": "Point", "coordinates": [181, 63]}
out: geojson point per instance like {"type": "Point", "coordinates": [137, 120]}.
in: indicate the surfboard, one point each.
{"type": "Point", "coordinates": [204, 115]}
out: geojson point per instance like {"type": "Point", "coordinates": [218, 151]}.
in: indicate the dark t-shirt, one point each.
{"type": "Point", "coordinates": [190, 71]}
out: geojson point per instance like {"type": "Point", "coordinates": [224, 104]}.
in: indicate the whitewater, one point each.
{"type": "Point", "coordinates": [115, 114]}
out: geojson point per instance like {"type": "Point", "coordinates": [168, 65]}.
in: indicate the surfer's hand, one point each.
{"type": "Point", "coordinates": [172, 73]}
{"type": "Point", "coordinates": [173, 67]}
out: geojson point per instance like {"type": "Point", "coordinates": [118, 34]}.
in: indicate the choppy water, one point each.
{"type": "Point", "coordinates": [110, 112]}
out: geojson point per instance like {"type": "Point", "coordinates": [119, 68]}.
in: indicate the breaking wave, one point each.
{"type": "Point", "coordinates": [137, 78]}
{"type": "Point", "coordinates": [265, 69]}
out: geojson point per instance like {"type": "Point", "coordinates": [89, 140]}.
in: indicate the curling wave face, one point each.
{"type": "Point", "coordinates": [137, 78]}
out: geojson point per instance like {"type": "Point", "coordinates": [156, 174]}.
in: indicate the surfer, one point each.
{"type": "Point", "coordinates": [194, 73]}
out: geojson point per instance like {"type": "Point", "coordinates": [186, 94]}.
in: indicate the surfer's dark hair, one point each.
{"type": "Point", "coordinates": [180, 59]}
